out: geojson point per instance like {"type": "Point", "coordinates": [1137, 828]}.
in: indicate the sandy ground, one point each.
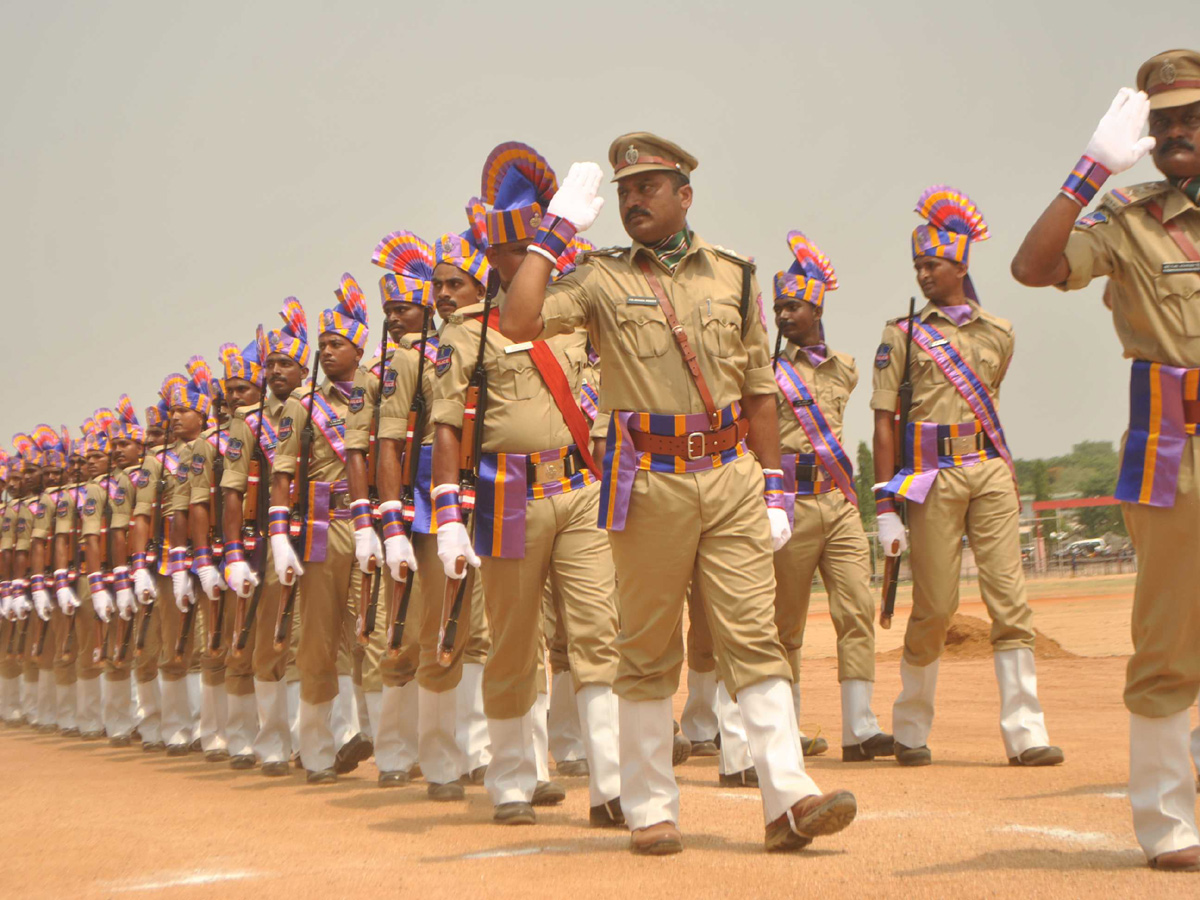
{"type": "Point", "coordinates": [86, 820]}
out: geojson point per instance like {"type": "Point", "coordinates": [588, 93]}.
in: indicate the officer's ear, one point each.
{"type": "Point", "coordinates": [685, 196]}
{"type": "Point", "coordinates": [358, 352]}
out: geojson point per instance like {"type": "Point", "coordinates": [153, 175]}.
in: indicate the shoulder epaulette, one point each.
{"type": "Point", "coordinates": [844, 358]}
{"type": "Point", "coordinates": [1121, 199]}
{"type": "Point", "coordinates": [1002, 324]}
{"type": "Point", "coordinates": [602, 252]}
{"type": "Point", "coordinates": [734, 257]}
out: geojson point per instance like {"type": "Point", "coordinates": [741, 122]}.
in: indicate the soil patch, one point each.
{"type": "Point", "coordinates": [969, 637]}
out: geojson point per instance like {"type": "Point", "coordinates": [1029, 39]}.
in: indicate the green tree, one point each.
{"type": "Point", "coordinates": [1040, 480]}
{"type": "Point", "coordinates": [864, 483]}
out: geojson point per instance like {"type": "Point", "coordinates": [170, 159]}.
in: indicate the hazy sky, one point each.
{"type": "Point", "coordinates": [172, 171]}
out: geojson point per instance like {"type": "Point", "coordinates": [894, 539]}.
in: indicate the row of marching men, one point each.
{"type": "Point", "coordinates": [399, 538]}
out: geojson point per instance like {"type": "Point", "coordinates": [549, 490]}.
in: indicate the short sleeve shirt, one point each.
{"type": "Point", "coordinates": [830, 383]}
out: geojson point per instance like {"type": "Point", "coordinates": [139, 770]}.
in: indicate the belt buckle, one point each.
{"type": "Point", "coordinates": [695, 445]}
{"type": "Point", "coordinates": [962, 445]}
{"type": "Point", "coordinates": [549, 471]}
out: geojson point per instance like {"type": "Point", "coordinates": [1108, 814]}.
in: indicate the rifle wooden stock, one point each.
{"type": "Point", "coordinates": [22, 637]}
{"type": "Point", "coordinates": [452, 601]}
{"type": "Point", "coordinates": [398, 610]}
{"type": "Point", "coordinates": [39, 643]}
{"type": "Point", "coordinates": [216, 623]}
{"type": "Point", "coordinates": [891, 578]}
{"type": "Point", "coordinates": [284, 616]}
{"type": "Point", "coordinates": [185, 626]}
{"type": "Point", "coordinates": [64, 645]}
{"type": "Point", "coordinates": [143, 630]}
{"type": "Point", "coordinates": [365, 626]}
{"type": "Point", "coordinates": [125, 628]}
{"type": "Point", "coordinates": [100, 653]}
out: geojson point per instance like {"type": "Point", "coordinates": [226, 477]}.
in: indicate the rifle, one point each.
{"type": "Point", "coordinates": [73, 571]}
{"type": "Point", "coordinates": [125, 629]}
{"type": "Point", "coordinates": [891, 564]}
{"type": "Point", "coordinates": [216, 509]}
{"type": "Point", "coordinates": [366, 618]}
{"type": "Point", "coordinates": [157, 542]}
{"type": "Point", "coordinates": [256, 504]}
{"type": "Point", "coordinates": [470, 448]}
{"type": "Point", "coordinates": [299, 511]}
{"type": "Point", "coordinates": [100, 654]}
{"type": "Point", "coordinates": [414, 429]}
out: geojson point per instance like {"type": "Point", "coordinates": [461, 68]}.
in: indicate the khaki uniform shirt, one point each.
{"type": "Point", "coordinates": [984, 341]}
{"type": "Point", "coordinates": [240, 452]}
{"type": "Point", "coordinates": [7, 531]}
{"type": "Point", "coordinates": [1156, 313]}
{"type": "Point", "coordinates": [177, 495]}
{"type": "Point", "coordinates": [24, 525]}
{"type": "Point", "coordinates": [641, 365]}
{"type": "Point", "coordinates": [830, 383]}
{"type": "Point", "coordinates": [398, 390]}
{"type": "Point", "coordinates": [521, 415]}
{"type": "Point", "coordinates": [325, 465]}
{"type": "Point", "coordinates": [119, 501]}
{"type": "Point", "coordinates": [43, 514]}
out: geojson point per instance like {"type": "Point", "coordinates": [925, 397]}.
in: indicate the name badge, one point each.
{"type": "Point", "coordinates": [641, 301]}
{"type": "Point", "coordinates": [336, 423]}
{"type": "Point", "coordinates": [940, 343]}
{"type": "Point", "coordinates": [1169, 268]}
{"type": "Point", "coordinates": [517, 348]}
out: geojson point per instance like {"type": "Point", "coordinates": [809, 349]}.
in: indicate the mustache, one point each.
{"type": "Point", "coordinates": [1178, 144]}
{"type": "Point", "coordinates": [636, 211]}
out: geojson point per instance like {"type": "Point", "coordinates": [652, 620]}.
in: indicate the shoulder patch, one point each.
{"type": "Point", "coordinates": [389, 382]}
{"type": "Point", "coordinates": [285, 429]}
{"type": "Point", "coordinates": [198, 467]}
{"type": "Point", "coordinates": [358, 399]}
{"type": "Point", "coordinates": [883, 358]}
{"type": "Point", "coordinates": [61, 508]}
{"type": "Point", "coordinates": [1096, 217]}
{"type": "Point", "coordinates": [1120, 199]}
{"type": "Point", "coordinates": [89, 509]}
{"type": "Point", "coordinates": [233, 451]}
{"type": "Point", "coordinates": [442, 366]}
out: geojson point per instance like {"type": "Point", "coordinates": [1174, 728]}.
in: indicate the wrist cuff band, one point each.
{"type": "Point", "coordinates": [277, 520]}
{"type": "Point", "coordinates": [360, 510]}
{"type": "Point", "coordinates": [1085, 180]}
{"type": "Point", "coordinates": [393, 521]}
{"type": "Point", "coordinates": [554, 236]}
{"type": "Point", "coordinates": [235, 551]}
{"type": "Point", "coordinates": [773, 490]}
{"type": "Point", "coordinates": [446, 508]}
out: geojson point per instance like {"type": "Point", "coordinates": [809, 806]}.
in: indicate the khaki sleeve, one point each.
{"type": "Point", "coordinates": [568, 301]}
{"type": "Point", "coordinates": [200, 472]}
{"type": "Point", "coordinates": [122, 503]}
{"type": "Point", "coordinates": [291, 423]}
{"type": "Point", "coordinates": [398, 391]}
{"type": "Point", "coordinates": [1093, 251]}
{"type": "Point", "coordinates": [64, 512]}
{"type": "Point", "coordinates": [43, 522]}
{"type": "Point", "coordinates": [6, 532]}
{"type": "Point", "coordinates": [450, 388]}
{"type": "Point", "coordinates": [237, 456]}
{"type": "Point", "coordinates": [24, 537]}
{"type": "Point", "coordinates": [358, 419]}
{"type": "Point", "coordinates": [93, 510]}
{"type": "Point", "coordinates": [889, 369]}
{"type": "Point", "coordinates": [759, 377]}
{"type": "Point", "coordinates": [851, 376]}
{"type": "Point", "coordinates": [181, 497]}
{"type": "Point", "coordinates": [148, 491]}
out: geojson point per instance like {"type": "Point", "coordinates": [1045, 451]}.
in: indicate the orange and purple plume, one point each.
{"type": "Point", "coordinates": [292, 339]}
{"type": "Point", "coordinates": [349, 317]}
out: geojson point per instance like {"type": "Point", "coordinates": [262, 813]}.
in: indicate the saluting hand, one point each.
{"type": "Point", "coordinates": [576, 199]}
{"type": "Point", "coordinates": [1117, 143]}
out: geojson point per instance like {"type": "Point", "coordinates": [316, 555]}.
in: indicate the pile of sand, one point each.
{"type": "Point", "coordinates": [970, 638]}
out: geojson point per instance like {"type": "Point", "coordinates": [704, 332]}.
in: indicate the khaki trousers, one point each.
{"type": "Point", "coordinates": [170, 622]}
{"type": "Point", "coordinates": [980, 501]}
{"type": "Point", "coordinates": [268, 663]}
{"type": "Point", "coordinates": [328, 597]}
{"type": "Point", "coordinates": [828, 536]}
{"type": "Point", "coordinates": [1163, 675]}
{"type": "Point", "coordinates": [432, 586]}
{"type": "Point", "coordinates": [145, 664]}
{"type": "Point", "coordinates": [552, 623]}
{"type": "Point", "coordinates": [88, 632]}
{"type": "Point", "coordinates": [711, 526]}
{"type": "Point", "coordinates": [561, 538]}
{"type": "Point", "coordinates": [399, 670]}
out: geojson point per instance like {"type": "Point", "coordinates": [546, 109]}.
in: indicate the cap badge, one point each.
{"type": "Point", "coordinates": [1168, 72]}
{"type": "Point", "coordinates": [535, 220]}
{"type": "Point", "coordinates": [631, 155]}
{"type": "Point", "coordinates": [448, 244]}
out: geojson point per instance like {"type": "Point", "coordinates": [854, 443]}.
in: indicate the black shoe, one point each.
{"type": "Point", "coordinates": [120, 741]}
{"type": "Point", "coordinates": [92, 735]}
{"type": "Point", "coordinates": [393, 779]}
{"type": "Point", "coordinates": [516, 813]}
{"type": "Point", "coordinates": [876, 745]}
{"type": "Point", "coordinates": [322, 776]}
{"type": "Point", "coordinates": [705, 748]}
{"type": "Point", "coordinates": [70, 732]}
{"type": "Point", "coordinates": [445, 792]}
{"type": "Point", "coordinates": [607, 815]}
{"type": "Point", "coordinates": [358, 749]}
{"type": "Point", "coordinates": [153, 746]}
{"type": "Point", "coordinates": [276, 769]}
{"type": "Point", "coordinates": [681, 749]}
{"type": "Point", "coordinates": [48, 728]}
{"type": "Point", "coordinates": [243, 761]}
{"type": "Point", "coordinates": [136, 735]}
{"type": "Point", "coordinates": [745, 778]}
{"type": "Point", "coordinates": [547, 793]}
{"type": "Point", "coordinates": [813, 746]}
{"type": "Point", "coordinates": [1038, 756]}
{"type": "Point", "coordinates": [913, 756]}
{"type": "Point", "coordinates": [573, 768]}
{"type": "Point", "coordinates": [195, 746]}
{"type": "Point", "coordinates": [475, 776]}
{"type": "Point", "coordinates": [216, 756]}
{"type": "Point", "coordinates": [178, 749]}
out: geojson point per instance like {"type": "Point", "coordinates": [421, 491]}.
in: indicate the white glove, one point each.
{"type": "Point", "coordinates": [366, 548]}
{"type": "Point", "coordinates": [210, 581]}
{"type": "Point", "coordinates": [19, 606]}
{"type": "Point", "coordinates": [67, 601]}
{"type": "Point", "coordinates": [241, 578]}
{"type": "Point", "coordinates": [781, 531]}
{"type": "Point", "coordinates": [126, 604]}
{"type": "Point", "coordinates": [1117, 142]}
{"type": "Point", "coordinates": [143, 584]}
{"type": "Point", "coordinates": [43, 605]}
{"type": "Point", "coordinates": [284, 555]}
{"type": "Point", "coordinates": [891, 530]}
{"type": "Point", "coordinates": [102, 603]}
{"type": "Point", "coordinates": [181, 587]}
{"type": "Point", "coordinates": [399, 550]}
{"type": "Point", "coordinates": [453, 542]}
{"type": "Point", "coordinates": [576, 200]}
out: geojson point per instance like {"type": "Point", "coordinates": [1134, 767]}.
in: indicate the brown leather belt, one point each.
{"type": "Point", "coordinates": [967, 443]}
{"type": "Point", "coordinates": [696, 445]}
{"type": "Point", "coordinates": [1191, 412]}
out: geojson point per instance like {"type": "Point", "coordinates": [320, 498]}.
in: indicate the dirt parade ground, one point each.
{"type": "Point", "coordinates": [86, 820]}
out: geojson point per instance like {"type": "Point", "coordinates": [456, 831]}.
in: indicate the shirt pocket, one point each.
{"type": "Point", "coordinates": [515, 377]}
{"type": "Point", "coordinates": [1179, 295]}
{"type": "Point", "coordinates": [643, 330]}
{"type": "Point", "coordinates": [986, 363]}
{"type": "Point", "coordinates": [721, 329]}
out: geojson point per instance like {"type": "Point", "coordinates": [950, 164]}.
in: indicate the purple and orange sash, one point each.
{"type": "Point", "coordinates": [924, 461]}
{"type": "Point", "coordinates": [268, 438]}
{"type": "Point", "coordinates": [219, 441]}
{"type": "Point", "coordinates": [622, 461]}
{"type": "Point", "coordinates": [589, 401]}
{"type": "Point", "coordinates": [1159, 428]}
{"type": "Point", "coordinates": [420, 513]}
{"type": "Point", "coordinates": [826, 446]}
{"type": "Point", "coordinates": [328, 422]}
{"type": "Point", "coordinates": [502, 491]}
{"type": "Point", "coordinates": [316, 526]}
